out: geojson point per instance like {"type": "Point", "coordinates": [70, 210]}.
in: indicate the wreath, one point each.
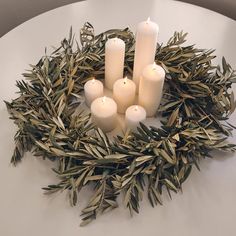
{"type": "Point", "coordinates": [196, 104]}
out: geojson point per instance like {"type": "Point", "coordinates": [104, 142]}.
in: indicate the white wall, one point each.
{"type": "Point", "coordinates": [225, 7]}
{"type": "Point", "coordinates": [14, 12]}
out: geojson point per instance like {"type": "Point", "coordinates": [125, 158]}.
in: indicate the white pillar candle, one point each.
{"type": "Point", "coordinates": [133, 116]}
{"type": "Point", "coordinates": [104, 113]}
{"type": "Point", "coordinates": [124, 94]}
{"type": "Point", "coordinates": [145, 47]}
{"type": "Point", "coordinates": [150, 88]}
{"type": "Point", "coordinates": [92, 89]}
{"type": "Point", "coordinates": [114, 61]}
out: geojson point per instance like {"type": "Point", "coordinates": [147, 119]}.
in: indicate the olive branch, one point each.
{"type": "Point", "coordinates": [196, 104]}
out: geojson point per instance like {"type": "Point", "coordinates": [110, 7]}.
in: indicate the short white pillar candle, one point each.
{"type": "Point", "coordinates": [150, 88]}
{"type": "Point", "coordinates": [145, 47]}
{"type": "Point", "coordinates": [114, 61]}
{"type": "Point", "coordinates": [124, 94]}
{"type": "Point", "coordinates": [92, 89]}
{"type": "Point", "coordinates": [133, 116]}
{"type": "Point", "coordinates": [104, 113]}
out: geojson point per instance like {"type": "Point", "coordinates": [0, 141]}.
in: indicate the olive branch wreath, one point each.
{"type": "Point", "coordinates": [196, 104]}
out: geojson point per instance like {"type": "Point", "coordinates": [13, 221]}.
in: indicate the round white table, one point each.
{"type": "Point", "coordinates": [207, 206]}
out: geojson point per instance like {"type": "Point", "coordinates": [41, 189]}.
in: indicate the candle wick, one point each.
{"type": "Point", "coordinates": [136, 108]}
{"type": "Point", "coordinates": [148, 20]}
{"type": "Point", "coordinates": [103, 99]}
{"type": "Point", "coordinates": [125, 80]}
{"type": "Point", "coordinates": [154, 66]}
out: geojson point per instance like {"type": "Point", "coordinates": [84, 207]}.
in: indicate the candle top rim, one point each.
{"type": "Point", "coordinates": [136, 114]}
{"type": "Point", "coordinates": [103, 107]}
{"type": "Point", "coordinates": [92, 83]}
{"type": "Point", "coordinates": [126, 83]}
{"type": "Point", "coordinates": [148, 25]}
{"type": "Point", "coordinates": [115, 41]}
{"type": "Point", "coordinates": [154, 72]}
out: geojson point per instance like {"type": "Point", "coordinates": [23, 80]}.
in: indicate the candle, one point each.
{"type": "Point", "coordinates": [92, 89]}
{"type": "Point", "coordinates": [133, 116]}
{"type": "Point", "coordinates": [150, 88]}
{"type": "Point", "coordinates": [145, 48]}
{"type": "Point", "coordinates": [104, 113]}
{"type": "Point", "coordinates": [124, 94]}
{"type": "Point", "coordinates": [114, 61]}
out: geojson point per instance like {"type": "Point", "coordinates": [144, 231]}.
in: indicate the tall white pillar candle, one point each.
{"type": "Point", "coordinates": [92, 89]}
{"type": "Point", "coordinates": [124, 94]}
{"type": "Point", "coordinates": [114, 61]}
{"type": "Point", "coordinates": [133, 116]}
{"type": "Point", "coordinates": [145, 47]}
{"type": "Point", "coordinates": [150, 88]}
{"type": "Point", "coordinates": [104, 113]}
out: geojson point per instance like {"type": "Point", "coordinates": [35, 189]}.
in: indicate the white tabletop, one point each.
{"type": "Point", "coordinates": [207, 206]}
